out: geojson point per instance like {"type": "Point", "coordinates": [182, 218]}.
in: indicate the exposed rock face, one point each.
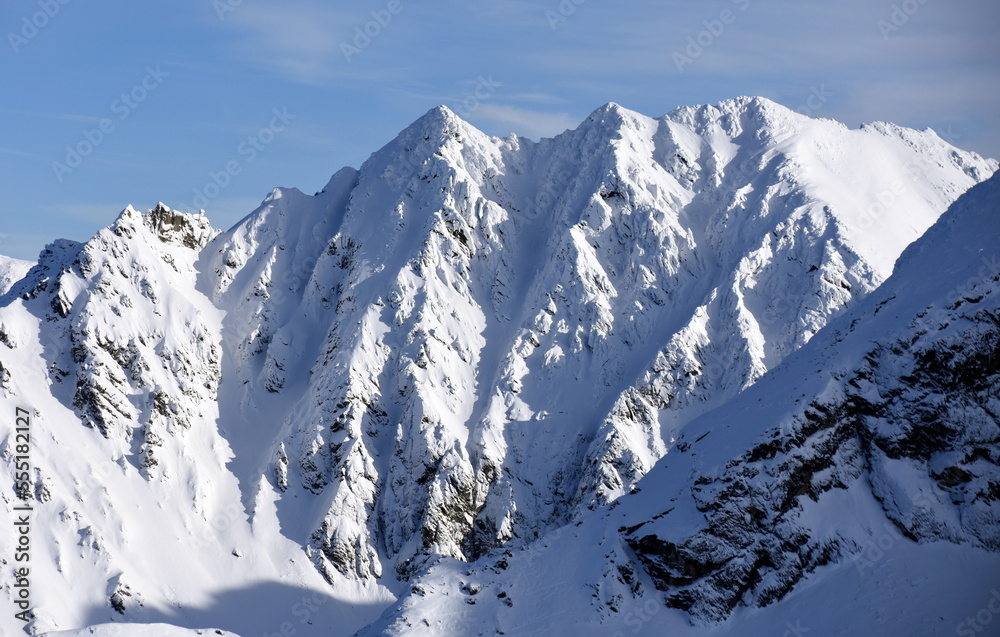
{"type": "Point", "coordinates": [470, 341]}
{"type": "Point", "coordinates": [178, 228]}
{"type": "Point", "coordinates": [516, 332]}
{"type": "Point", "coordinates": [874, 447]}
{"type": "Point", "coordinates": [911, 422]}
{"type": "Point", "coordinates": [143, 364]}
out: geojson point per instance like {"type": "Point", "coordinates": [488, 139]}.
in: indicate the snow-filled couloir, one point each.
{"type": "Point", "coordinates": [464, 344]}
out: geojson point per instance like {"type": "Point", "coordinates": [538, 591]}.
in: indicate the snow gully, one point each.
{"type": "Point", "coordinates": [22, 523]}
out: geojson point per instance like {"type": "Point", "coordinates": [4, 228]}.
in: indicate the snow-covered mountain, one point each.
{"type": "Point", "coordinates": [854, 490]}
{"type": "Point", "coordinates": [12, 271]}
{"type": "Point", "coordinates": [463, 345]}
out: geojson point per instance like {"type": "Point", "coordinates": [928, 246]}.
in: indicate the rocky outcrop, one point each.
{"type": "Point", "coordinates": [913, 422]}
{"type": "Point", "coordinates": [464, 292]}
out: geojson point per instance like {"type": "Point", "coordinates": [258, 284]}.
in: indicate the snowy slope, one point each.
{"type": "Point", "coordinates": [465, 343]}
{"type": "Point", "coordinates": [140, 630]}
{"type": "Point", "coordinates": [137, 513]}
{"type": "Point", "coordinates": [11, 271]}
{"type": "Point", "coordinates": [853, 490]}
{"type": "Point", "coordinates": [480, 287]}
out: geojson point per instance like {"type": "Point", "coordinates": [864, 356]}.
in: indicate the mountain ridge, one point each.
{"type": "Point", "coordinates": [831, 455]}
{"type": "Point", "coordinates": [389, 373]}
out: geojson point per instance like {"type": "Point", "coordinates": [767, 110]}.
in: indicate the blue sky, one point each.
{"type": "Point", "coordinates": [113, 103]}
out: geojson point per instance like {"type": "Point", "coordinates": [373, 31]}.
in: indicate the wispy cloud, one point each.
{"type": "Point", "coordinates": [317, 44]}
{"type": "Point", "coordinates": [525, 122]}
{"type": "Point", "coordinates": [19, 153]}
{"type": "Point", "coordinates": [299, 40]}
{"type": "Point", "coordinates": [463, 88]}
{"type": "Point", "coordinates": [535, 98]}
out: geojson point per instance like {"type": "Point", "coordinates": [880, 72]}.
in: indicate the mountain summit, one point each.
{"type": "Point", "coordinates": [854, 490]}
{"type": "Point", "coordinates": [458, 348]}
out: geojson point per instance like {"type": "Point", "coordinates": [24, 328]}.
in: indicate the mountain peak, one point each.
{"type": "Point", "coordinates": [754, 105]}
{"type": "Point", "coordinates": [755, 102]}
{"type": "Point", "coordinates": [405, 355]}
{"type": "Point", "coordinates": [753, 111]}
{"type": "Point", "coordinates": [439, 119]}
{"type": "Point", "coordinates": [428, 136]}
{"type": "Point", "coordinates": [611, 107]}
{"type": "Point", "coordinates": [612, 112]}
{"type": "Point", "coordinates": [192, 230]}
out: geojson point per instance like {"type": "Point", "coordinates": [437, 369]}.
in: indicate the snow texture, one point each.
{"type": "Point", "coordinates": [855, 489]}
{"type": "Point", "coordinates": [453, 352]}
